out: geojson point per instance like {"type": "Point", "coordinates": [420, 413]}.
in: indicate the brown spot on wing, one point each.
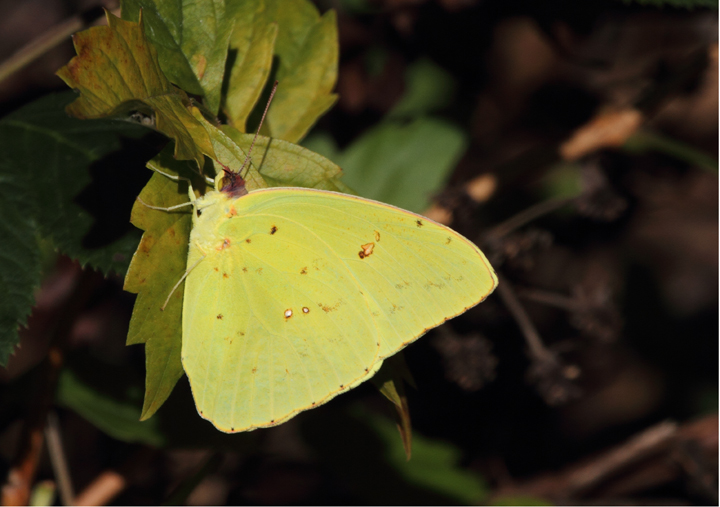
{"type": "Point", "coordinates": [367, 250]}
{"type": "Point", "coordinates": [273, 229]}
{"type": "Point", "coordinates": [225, 275]}
{"type": "Point", "coordinates": [219, 316]}
{"type": "Point", "coordinates": [303, 271]}
{"type": "Point", "coordinates": [419, 223]}
{"type": "Point", "coordinates": [248, 240]}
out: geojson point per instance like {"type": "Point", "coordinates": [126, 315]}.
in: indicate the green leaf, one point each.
{"type": "Point", "coordinates": [90, 387]}
{"type": "Point", "coordinates": [645, 140]}
{"type": "Point", "coordinates": [44, 161]}
{"type": "Point", "coordinates": [230, 155]}
{"type": "Point", "coordinates": [191, 37]}
{"type": "Point", "coordinates": [116, 417]}
{"type": "Point", "coordinates": [158, 264]}
{"type": "Point", "coordinates": [20, 266]}
{"type": "Point", "coordinates": [401, 164]}
{"type": "Point", "coordinates": [364, 453]}
{"type": "Point", "coordinates": [117, 74]}
{"type": "Point", "coordinates": [562, 181]}
{"type": "Point", "coordinates": [249, 61]}
{"type": "Point", "coordinates": [288, 165]}
{"type": "Point", "coordinates": [428, 88]}
{"type": "Point", "coordinates": [307, 48]}
{"type": "Point", "coordinates": [390, 380]}
{"type": "Point", "coordinates": [434, 465]}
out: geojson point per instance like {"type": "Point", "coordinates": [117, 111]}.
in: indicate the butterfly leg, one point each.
{"type": "Point", "coordinates": [180, 281]}
{"type": "Point", "coordinates": [165, 209]}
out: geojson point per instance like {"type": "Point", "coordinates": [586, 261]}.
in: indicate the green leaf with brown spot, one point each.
{"type": "Point", "coordinates": [249, 60]}
{"type": "Point", "coordinates": [192, 38]}
{"type": "Point", "coordinates": [157, 265]}
{"type": "Point", "coordinates": [117, 74]}
{"type": "Point", "coordinates": [307, 49]}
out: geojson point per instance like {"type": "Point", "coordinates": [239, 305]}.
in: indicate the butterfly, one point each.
{"type": "Point", "coordinates": [294, 295]}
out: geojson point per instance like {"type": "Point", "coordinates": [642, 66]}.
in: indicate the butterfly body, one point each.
{"type": "Point", "coordinates": [297, 295]}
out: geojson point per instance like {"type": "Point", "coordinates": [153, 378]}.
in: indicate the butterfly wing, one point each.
{"type": "Point", "coordinates": [302, 293]}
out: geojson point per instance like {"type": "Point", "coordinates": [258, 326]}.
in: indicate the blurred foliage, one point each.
{"type": "Point", "coordinates": [400, 164]}
{"type": "Point", "coordinates": [405, 159]}
{"type": "Point", "coordinates": [38, 202]}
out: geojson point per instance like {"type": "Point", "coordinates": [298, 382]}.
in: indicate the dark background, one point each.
{"type": "Point", "coordinates": [620, 282]}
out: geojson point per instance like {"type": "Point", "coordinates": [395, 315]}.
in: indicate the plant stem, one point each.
{"type": "Point", "coordinates": [526, 216]}
{"type": "Point", "coordinates": [45, 42]}
{"type": "Point", "coordinates": [58, 460]}
{"type": "Point", "coordinates": [530, 332]}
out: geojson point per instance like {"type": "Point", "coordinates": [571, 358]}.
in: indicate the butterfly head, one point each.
{"type": "Point", "coordinates": [230, 183]}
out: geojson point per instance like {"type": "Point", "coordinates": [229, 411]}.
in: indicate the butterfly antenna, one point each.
{"type": "Point", "coordinates": [247, 158]}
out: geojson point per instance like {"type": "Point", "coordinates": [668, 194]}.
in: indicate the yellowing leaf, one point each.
{"type": "Point", "coordinates": [117, 73]}
{"type": "Point", "coordinates": [307, 48]}
{"type": "Point", "coordinates": [161, 258]}
{"type": "Point", "coordinates": [157, 265]}
{"type": "Point", "coordinates": [249, 60]}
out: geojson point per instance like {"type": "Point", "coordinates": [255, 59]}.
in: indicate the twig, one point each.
{"type": "Point", "coordinates": [530, 332]}
{"type": "Point", "coordinates": [639, 447]}
{"type": "Point", "coordinates": [526, 216]}
{"type": "Point", "coordinates": [58, 460]}
{"type": "Point", "coordinates": [47, 41]}
{"type": "Point", "coordinates": [573, 483]}
{"type": "Point", "coordinates": [102, 490]}
{"type": "Point", "coordinates": [550, 298]}
{"type": "Point", "coordinates": [112, 482]}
